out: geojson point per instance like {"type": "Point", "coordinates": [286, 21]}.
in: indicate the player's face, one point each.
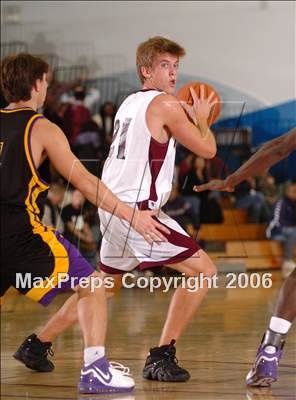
{"type": "Point", "coordinates": [164, 72]}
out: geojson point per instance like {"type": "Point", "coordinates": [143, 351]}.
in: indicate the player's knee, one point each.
{"type": "Point", "coordinates": [210, 270]}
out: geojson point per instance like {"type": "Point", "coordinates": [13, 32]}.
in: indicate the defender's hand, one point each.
{"type": "Point", "coordinates": [215, 184]}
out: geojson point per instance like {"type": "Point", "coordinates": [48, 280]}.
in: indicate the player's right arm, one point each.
{"type": "Point", "coordinates": [49, 137]}
{"type": "Point", "coordinates": [197, 138]}
{"type": "Point", "coordinates": [269, 154]}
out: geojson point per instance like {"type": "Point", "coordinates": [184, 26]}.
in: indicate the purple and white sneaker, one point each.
{"type": "Point", "coordinates": [265, 368]}
{"type": "Point", "coordinates": [104, 377]}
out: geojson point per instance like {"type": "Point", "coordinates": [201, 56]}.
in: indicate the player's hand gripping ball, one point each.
{"type": "Point", "coordinates": [184, 95]}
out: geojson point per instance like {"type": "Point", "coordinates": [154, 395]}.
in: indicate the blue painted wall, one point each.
{"type": "Point", "coordinates": [267, 124]}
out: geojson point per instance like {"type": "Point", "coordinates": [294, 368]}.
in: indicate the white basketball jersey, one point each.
{"type": "Point", "coordinates": [139, 168]}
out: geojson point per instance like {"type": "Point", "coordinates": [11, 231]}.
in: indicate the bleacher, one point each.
{"type": "Point", "coordinates": [240, 242]}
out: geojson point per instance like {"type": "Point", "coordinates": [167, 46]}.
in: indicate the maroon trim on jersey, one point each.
{"type": "Point", "coordinates": [110, 270]}
{"type": "Point", "coordinates": [184, 255]}
{"type": "Point", "coordinates": [157, 154]}
{"type": "Point", "coordinates": [30, 150]}
{"type": "Point", "coordinates": [176, 238]}
{"type": "Point", "coordinates": [173, 260]}
{"type": "Point", "coordinates": [160, 143]}
{"type": "Point", "coordinates": [149, 90]}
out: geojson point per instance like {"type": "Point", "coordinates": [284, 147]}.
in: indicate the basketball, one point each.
{"type": "Point", "coordinates": [184, 94]}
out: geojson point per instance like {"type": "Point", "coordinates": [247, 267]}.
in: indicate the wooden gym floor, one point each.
{"type": "Point", "coordinates": [217, 348]}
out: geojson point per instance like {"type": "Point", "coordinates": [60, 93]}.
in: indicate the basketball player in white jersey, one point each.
{"type": "Point", "coordinates": [139, 170]}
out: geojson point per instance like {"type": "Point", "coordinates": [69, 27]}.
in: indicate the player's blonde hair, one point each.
{"type": "Point", "coordinates": [151, 48]}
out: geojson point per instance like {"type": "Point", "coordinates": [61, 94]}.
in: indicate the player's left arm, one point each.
{"type": "Point", "coordinates": [269, 154]}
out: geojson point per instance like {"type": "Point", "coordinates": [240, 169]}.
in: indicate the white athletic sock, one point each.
{"type": "Point", "coordinates": [279, 325]}
{"type": "Point", "coordinates": [92, 354]}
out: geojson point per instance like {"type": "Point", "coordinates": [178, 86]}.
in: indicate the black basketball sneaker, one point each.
{"type": "Point", "coordinates": [162, 365]}
{"type": "Point", "coordinates": [33, 353]}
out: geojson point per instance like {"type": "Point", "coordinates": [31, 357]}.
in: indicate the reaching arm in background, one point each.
{"type": "Point", "coordinates": [269, 154]}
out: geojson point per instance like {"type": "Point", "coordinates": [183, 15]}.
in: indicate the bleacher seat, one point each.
{"type": "Point", "coordinates": [243, 243]}
{"type": "Point", "coordinates": [224, 232]}
{"type": "Point", "coordinates": [235, 216]}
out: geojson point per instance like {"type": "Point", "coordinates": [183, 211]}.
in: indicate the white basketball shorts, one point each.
{"type": "Point", "coordinates": [123, 249]}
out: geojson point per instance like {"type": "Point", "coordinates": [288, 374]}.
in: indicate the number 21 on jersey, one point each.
{"type": "Point", "coordinates": [119, 145]}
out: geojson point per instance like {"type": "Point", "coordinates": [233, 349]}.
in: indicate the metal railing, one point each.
{"type": "Point", "coordinates": [70, 73]}
{"type": "Point", "coordinates": [12, 48]}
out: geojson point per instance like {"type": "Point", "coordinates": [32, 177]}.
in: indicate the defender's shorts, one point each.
{"type": "Point", "coordinates": [123, 249]}
{"type": "Point", "coordinates": [26, 257]}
